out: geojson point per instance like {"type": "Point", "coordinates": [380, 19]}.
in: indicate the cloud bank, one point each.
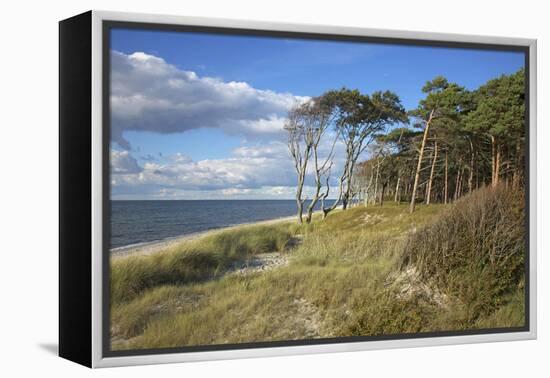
{"type": "Point", "coordinates": [149, 94]}
{"type": "Point", "coordinates": [259, 171]}
{"type": "Point", "coordinates": [248, 168]}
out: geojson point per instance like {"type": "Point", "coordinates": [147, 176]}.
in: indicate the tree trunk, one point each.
{"type": "Point", "coordinates": [300, 206]}
{"type": "Point", "coordinates": [368, 188]}
{"type": "Point", "coordinates": [426, 186]}
{"type": "Point", "coordinates": [384, 185]}
{"type": "Point", "coordinates": [346, 198]}
{"type": "Point", "coordinates": [348, 195]}
{"type": "Point", "coordinates": [299, 201]}
{"type": "Point", "coordinates": [419, 165]}
{"type": "Point", "coordinates": [318, 186]}
{"type": "Point", "coordinates": [497, 167]}
{"type": "Point", "coordinates": [472, 162]}
{"type": "Point", "coordinates": [312, 204]}
{"type": "Point", "coordinates": [301, 179]}
{"type": "Point", "coordinates": [375, 197]}
{"type": "Point", "coordinates": [507, 177]}
{"type": "Point", "coordinates": [446, 191]}
{"type": "Point", "coordinates": [495, 152]}
{"type": "Point", "coordinates": [458, 178]}
{"type": "Point", "coordinates": [429, 194]}
{"type": "Point", "coordinates": [396, 198]}
{"type": "Point", "coordinates": [327, 210]}
{"type": "Point", "coordinates": [460, 182]}
{"type": "Point", "coordinates": [517, 168]}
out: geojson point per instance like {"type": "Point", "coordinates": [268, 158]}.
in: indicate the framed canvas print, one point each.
{"type": "Point", "coordinates": [236, 189]}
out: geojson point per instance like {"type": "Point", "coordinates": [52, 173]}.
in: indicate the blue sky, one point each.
{"type": "Point", "coordinates": [151, 123]}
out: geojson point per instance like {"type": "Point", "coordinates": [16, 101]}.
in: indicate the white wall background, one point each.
{"type": "Point", "coordinates": [28, 187]}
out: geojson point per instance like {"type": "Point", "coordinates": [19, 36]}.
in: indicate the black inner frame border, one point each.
{"type": "Point", "coordinates": [108, 25]}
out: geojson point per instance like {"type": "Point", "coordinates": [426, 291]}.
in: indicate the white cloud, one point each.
{"type": "Point", "coordinates": [273, 149]}
{"type": "Point", "coordinates": [148, 94]}
{"type": "Point", "coordinates": [123, 163]}
{"type": "Point", "coordinates": [261, 170]}
{"type": "Point", "coordinates": [235, 191]}
{"type": "Point", "coordinates": [248, 169]}
{"type": "Point", "coordinates": [282, 191]}
{"type": "Point", "coordinates": [265, 192]}
{"type": "Point", "coordinates": [180, 158]}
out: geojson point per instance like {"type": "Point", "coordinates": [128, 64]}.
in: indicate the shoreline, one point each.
{"type": "Point", "coordinates": [148, 248]}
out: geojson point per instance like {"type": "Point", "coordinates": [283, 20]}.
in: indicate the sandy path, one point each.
{"type": "Point", "coordinates": [260, 263]}
{"type": "Point", "coordinates": [153, 247]}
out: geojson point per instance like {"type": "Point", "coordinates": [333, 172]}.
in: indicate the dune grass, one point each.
{"type": "Point", "coordinates": [343, 279]}
{"type": "Point", "coordinates": [193, 261]}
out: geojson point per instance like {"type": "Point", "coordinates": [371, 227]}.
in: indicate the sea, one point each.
{"type": "Point", "coordinates": [139, 222]}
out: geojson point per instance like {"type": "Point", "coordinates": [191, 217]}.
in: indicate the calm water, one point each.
{"type": "Point", "coordinates": [134, 222]}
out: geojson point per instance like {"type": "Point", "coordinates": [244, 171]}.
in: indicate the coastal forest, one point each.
{"type": "Point", "coordinates": [407, 222]}
{"type": "Point", "coordinates": [454, 142]}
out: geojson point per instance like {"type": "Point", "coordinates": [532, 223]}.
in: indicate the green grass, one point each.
{"type": "Point", "coordinates": [343, 279]}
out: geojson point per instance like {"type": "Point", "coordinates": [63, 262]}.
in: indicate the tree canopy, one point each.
{"type": "Point", "coordinates": [460, 140]}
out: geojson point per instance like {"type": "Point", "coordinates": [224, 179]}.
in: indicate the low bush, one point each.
{"type": "Point", "coordinates": [475, 250]}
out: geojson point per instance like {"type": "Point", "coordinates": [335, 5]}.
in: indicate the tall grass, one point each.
{"type": "Point", "coordinates": [340, 279]}
{"type": "Point", "coordinates": [340, 260]}
{"type": "Point", "coordinates": [193, 261]}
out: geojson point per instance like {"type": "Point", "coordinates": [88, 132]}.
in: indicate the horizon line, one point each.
{"type": "Point", "coordinates": [219, 199]}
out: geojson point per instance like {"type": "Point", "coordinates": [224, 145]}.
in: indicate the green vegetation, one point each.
{"type": "Point", "coordinates": [461, 140]}
{"type": "Point", "coordinates": [475, 252]}
{"type": "Point", "coordinates": [193, 261]}
{"type": "Point", "coordinates": [362, 271]}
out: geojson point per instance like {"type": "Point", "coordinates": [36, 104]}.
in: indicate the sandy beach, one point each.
{"type": "Point", "coordinates": [156, 246]}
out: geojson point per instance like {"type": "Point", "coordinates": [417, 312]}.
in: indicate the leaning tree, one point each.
{"type": "Point", "coordinates": [358, 118]}
{"type": "Point", "coordinates": [306, 125]}
{"type": "Point", "coordinates": [441, 105]}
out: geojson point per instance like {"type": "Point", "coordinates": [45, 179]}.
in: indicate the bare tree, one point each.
{"type": "Point", "coordinates": [306, 125]}
{"type": "Point", "coordinates": [321, 116]}
{"type": "Point", "coordinates": [300, 141]}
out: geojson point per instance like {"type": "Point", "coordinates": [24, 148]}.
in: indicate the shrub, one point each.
{"type": "Point", "coordinates": [475, 251]}
{"type": "Point", "coordinates": [385, 313]}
